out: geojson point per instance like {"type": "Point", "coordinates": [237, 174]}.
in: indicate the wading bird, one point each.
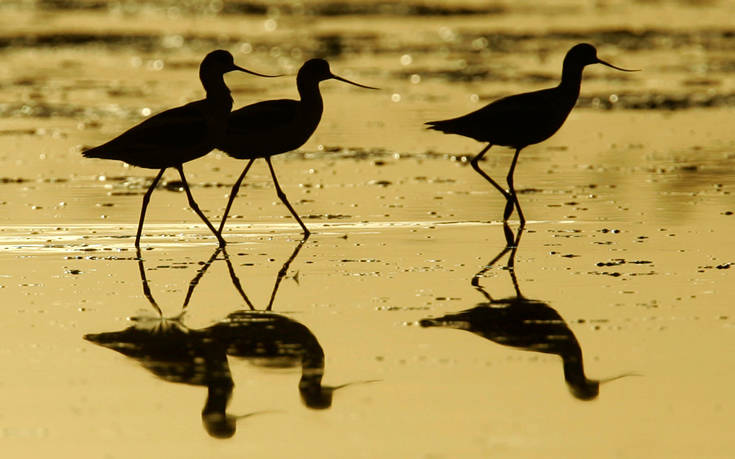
{"type": "Point", "coordinates": [271, 127]}
{"type": "Point", "coordinates": [178, 135]}
{"type": "Point", "coordinates": [524, 119]}
{"type": "Point", "coordinates": [524, 323]}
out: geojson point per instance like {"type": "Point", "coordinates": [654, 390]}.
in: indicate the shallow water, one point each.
{"type": "Point", "coordinates": [625, 260]}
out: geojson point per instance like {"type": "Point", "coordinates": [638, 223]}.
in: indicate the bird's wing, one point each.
{"type": "Point", "coordinates": [262, 116]}
{"type": "Point", "coordinates": [510, 113]}
{"type": "Point", "coordinates": [518, 109]}
{"type": "Point", "coordinates": [177, 128]}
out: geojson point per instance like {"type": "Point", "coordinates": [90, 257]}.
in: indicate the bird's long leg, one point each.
{"type": "Point", "coordinates": [511, 265]}
{"type": "Point", "coordinates": [233, 193]}
{"type": "Point", "coordinates": [144, 280]}
{"type": "Point", "coordinates": [284, 270]}
{"type": "Point", "coordinates": [476, 278]}
{"type": "Point", "coordinates": [513, 195]}
{"type": "Point", "coordinates": [200, 273]}
{"type": "Point", "coordinates": [476, 167]}
{"type": "Point", "coordinates": [510, 240]}
{"type": "Point", "coordinates": [282, 197]}
{"type": "Point", "coordinates": [146, 199]}
{"type": "Point", "coordinates": [236, 281]}
{"type": "Point", "coordinates": [511, 245]}
{"type": "Point", "coordinates": [195, 207]}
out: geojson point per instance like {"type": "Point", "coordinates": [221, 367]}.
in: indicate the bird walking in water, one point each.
{"type": "Point", "coordinates": [180, 134]}
{"type": "Point", "coordinates": [524, 119]}
{"type": "Point", "coordinates": [271, 127]}
{"type": "Point", "coordinates": [524, 323]}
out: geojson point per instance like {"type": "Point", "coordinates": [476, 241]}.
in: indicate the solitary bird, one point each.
{"type": "Point", "coordinates": [524, 323]}
{"type": "Point", "coordinates": [271, 127]}
{"type": "Point", "coordinates": [524, 119]}
{"type": "Point", "coordinates": [180, 134]}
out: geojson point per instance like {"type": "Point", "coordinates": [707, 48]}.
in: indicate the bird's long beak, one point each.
{"type": "Point", "coordinates": [350, 82]}
{"type": "Point", "coordinates": [624, 375]}
{"type": "Point", "coordinates": [254, 413]}
{"type": "Point", "coordinates": [235, 67]}
{"type": "Point", "coordinates": [600, 61]}
{"type": "Point", "coordinates": [341, 386]}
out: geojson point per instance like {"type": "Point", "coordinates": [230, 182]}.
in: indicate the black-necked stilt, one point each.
{"type": "Point", "coordinates": [524, 119]}
{"type": "Point", "coordinates": [524, 323]}
{"type": "Point", "coordinates": [178, 135]}
{"type": "Point", "coordinates": [271, 127]}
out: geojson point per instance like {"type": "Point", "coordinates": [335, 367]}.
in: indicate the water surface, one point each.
{"type": "Point", "coordinates": [627, 252]}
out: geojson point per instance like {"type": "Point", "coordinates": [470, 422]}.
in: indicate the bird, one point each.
{"type": "Point", "coordinates": [521, 120]}
{"type": "Point", "coordinates": [181, 134]}
{"type": "Point", "coordinates": [271, 127]}
{"type": "Point", "coordinates": [524, 323]}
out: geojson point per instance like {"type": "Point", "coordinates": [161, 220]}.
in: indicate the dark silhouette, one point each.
{"type": "Point", "coordinates": [178, 135]}
{"type": "Point", "coordinates": [272, 127]}
{"type": "Point", "coordinates": [523, 323]}
{"type": "Point", "coordinates": [176, 353]}
{"type": "Point", "coordinates": [524, 119]}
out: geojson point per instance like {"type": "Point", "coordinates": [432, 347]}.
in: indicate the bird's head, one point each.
{"type": "Point", "coordinates": [219, 62]}
{"type": "Point", "coordinates": [219, 425]}
{"type": "Point", "coordinates": [585, 54]}
{"type": "Point", "coordinates": [318, 70]}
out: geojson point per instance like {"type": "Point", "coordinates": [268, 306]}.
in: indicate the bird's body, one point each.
{"type": "Point", "coordinates": [171, 137]}
{"type": "Point", "coordinates": [178, 135]}
{"type": "Point", "coordinates": [271, 127]}
{"type": "Point", "coordinates": [259, 130]}
{"type": "Point", "coordinates": [515, 121]}
{"type": "Point", "coordinates": [523, 323]}
{"type": "Point", "coordinates": [523, 119]}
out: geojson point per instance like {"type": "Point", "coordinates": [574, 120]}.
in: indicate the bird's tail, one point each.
{"type": "Point", "coordinates": [442, 126]}
{"type": "Point", "coordinates": [96, 152]}
{"type": "Point", "coordinates": [449, 321]}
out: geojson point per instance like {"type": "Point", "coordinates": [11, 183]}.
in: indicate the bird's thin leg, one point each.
{"type": "Point", "coordinates": [511, 245]}
{"type": "Point", "coordinates": [233, 193]}
{"type": "Point", "coordinates": [146, 288]}
{"type": "Point", "coordinates": [146, 199]}
{"type": "Point", "coordinates": [200, 273]}
{"type": "Point", "coordinates": [195, 207]}
{"type": "Point", "coordinates": [509, 205]}
{"type": "Point", "coordinates": [282, 197]}
{"type": "Point", "coordinates": [512, 261]}
{"type": "Point", "coordinates": [236, 281]}
{"type": "Point", "coordinates": [476, 166]}
{"type": "Point", "coordinates": [284, 270]}
{"type": "Point", "coordinates": [510, 240]}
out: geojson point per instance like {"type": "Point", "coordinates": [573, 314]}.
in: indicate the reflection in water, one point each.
{"type": "Point", "coordinates": [176, 353]}
{"type": "Point", "coordinates": [523, 323]}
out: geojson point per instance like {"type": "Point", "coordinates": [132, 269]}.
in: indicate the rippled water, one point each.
{"type": "Point", "coordinates": [402, 327]}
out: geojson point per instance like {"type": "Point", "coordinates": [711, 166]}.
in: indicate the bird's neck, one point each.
{"type": "Point", "coordinates": [573, 366]}
{"type": "Point", "coordinates": [218, 396]}
{"type": "Point", "coordinates": [217, 91]}
{"type": "Point", "coordinates": [309, 92]}
{"type": "Point", "coordinates": [312, 364]}
{"type": "Point", "coordinates": [571, 80]}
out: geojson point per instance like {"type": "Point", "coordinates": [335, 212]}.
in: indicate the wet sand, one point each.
{"type": "Point", "coordinates": [628, 241]}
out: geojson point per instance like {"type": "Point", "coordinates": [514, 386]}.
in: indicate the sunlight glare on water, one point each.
{"type": "Point", "coordinates": [403, 326]}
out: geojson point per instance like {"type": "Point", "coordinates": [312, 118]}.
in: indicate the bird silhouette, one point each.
{"type": "Point", "coordinates": [178, 135]}
{"type": "Point", "coordinates": [271, 127]}
{"type": "Point", "coordinates": [201, 357]}
{"type": "Point", "coordinates": [524, 323]}
{"type": "Point", "coordinates": [524, 119]}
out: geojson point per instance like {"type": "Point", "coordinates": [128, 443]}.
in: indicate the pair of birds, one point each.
{"type": "Point", "coordinates": [260, 130]}
{"type": "Point", "coordinates": [268, 128]}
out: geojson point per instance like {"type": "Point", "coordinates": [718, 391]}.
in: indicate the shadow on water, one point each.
{"type": "Point", "coordinates": [524, 323]}
{"type": "Point", "coordinates": [176, 353]}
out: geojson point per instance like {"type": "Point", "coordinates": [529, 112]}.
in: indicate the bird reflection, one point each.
{"type": "Point", "coordinates": [176, 353]}
{"type": "Point", "coordinates": [524, 323]}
